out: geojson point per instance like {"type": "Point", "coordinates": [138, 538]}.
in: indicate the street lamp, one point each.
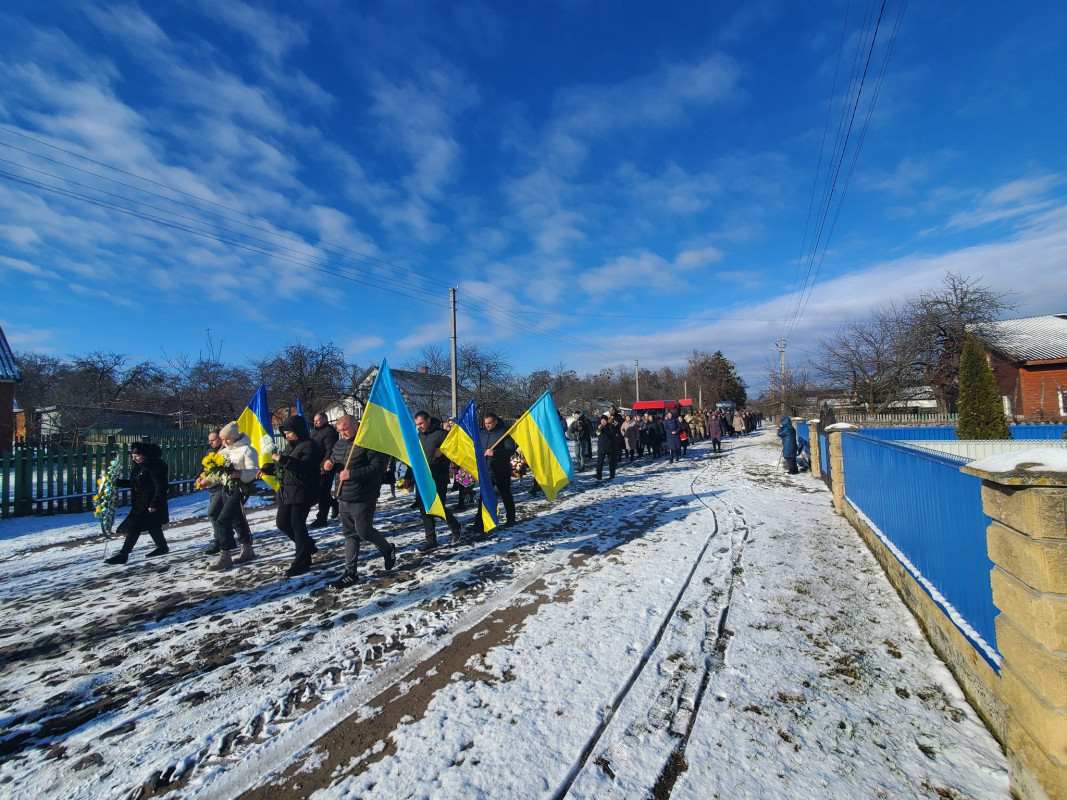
{"type": "Point", "coordinates": [637, 381]}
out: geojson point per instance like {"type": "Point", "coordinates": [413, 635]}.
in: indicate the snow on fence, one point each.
{"type": "Point", "coordinates": [930, 515]}
{"type": "Point", "coordinates": [52, 479]}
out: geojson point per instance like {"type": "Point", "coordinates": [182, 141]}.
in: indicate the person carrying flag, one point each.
{"type": "Point", "coordinates": [359, 482]}
{"type": "Point", "coordinates": [431, 435]}
{"type": "Point", "coordinates": [499, 448]}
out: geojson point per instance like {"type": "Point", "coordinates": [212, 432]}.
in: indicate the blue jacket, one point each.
{"type": "Point", "coordinates": [788, 435]}
{"type": "Point", "coordinates": [672, 427]}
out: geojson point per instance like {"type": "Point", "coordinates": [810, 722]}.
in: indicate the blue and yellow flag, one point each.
{"type": "Point", "coordinates": [255, 423]}
{"type": "Point", "coordinates": [387, 427]}
{"type": "Point", "coordinates": [463, 448]}
{"type": "Point", "coordinates": [539, 435]}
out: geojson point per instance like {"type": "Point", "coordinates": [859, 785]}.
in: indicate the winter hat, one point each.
{"type": "Point", "coordinates": [146, 449]}
{"type": "Point", "coordinates": [230, 431]}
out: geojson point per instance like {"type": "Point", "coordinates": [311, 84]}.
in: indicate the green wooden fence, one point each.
{"type": "Point", "coordinates": [53, 479]}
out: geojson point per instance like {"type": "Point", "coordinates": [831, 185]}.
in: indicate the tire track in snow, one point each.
{"type": "Point", "coordinates": [714, 659]}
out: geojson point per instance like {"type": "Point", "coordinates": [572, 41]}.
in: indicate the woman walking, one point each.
{"type": "Point", "coordinates": [672, 429]}
{"type": "Point", "coordinates": [148, 487]}
{"type": "Point", "coordinates": [631, 433]}
{"type": "Point", "coordinates": [243, 463]}
{"type": "Point", "coordinates": [297, 469]}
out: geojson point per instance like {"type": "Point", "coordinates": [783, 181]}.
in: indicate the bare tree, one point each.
{"type": "Point", "coordinates": [487, 372]}
{"type": "Point", "coordinates": [207, 390]}
{"type": "Point", "coordinates": [872, 359]}
{"type": "Point", "coordinates": [315, 375]}
{"type": "Point", "coordinates": [940, 320]}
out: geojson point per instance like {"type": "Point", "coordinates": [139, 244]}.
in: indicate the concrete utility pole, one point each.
{"type": "Point", "coordinates": [452, 298]}
{"type": "Point", "coordinates": [780, 347]}
{"type": "Point", "coordinates": [637, 381]}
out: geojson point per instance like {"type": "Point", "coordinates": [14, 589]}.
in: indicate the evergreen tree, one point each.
{"type": "Point", "coordinates": [981, 410]}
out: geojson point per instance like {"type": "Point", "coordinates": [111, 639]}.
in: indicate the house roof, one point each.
{"type": "Point", "coordinates": [412, 385]}
{"type": "Point", "coordinates": [1030, 338]}
{"type": "Point", "coordinates": [9, 370]}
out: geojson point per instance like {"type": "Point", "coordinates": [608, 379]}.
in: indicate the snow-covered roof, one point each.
{"type": "Point", "coordinates": [1030, 338]}
{"type": "Point", "coordinates": [9, 370]}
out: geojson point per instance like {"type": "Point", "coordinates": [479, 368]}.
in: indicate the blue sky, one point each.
{"type": "Point", "coordinates": [603, 181]}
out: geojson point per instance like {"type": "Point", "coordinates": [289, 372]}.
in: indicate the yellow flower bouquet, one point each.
{"type": "Point", "coordinates": [104, 499]}
{"type": "Point", "coordinates": [217, 471]}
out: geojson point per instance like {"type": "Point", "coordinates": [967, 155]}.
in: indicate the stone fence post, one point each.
{"type": "Point", "coordinates": [813, 442]}
{"type": "Point", "coordinates": [1027, 543]}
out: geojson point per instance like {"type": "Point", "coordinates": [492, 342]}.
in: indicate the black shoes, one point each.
{"type": "Point", "coordinates": [301, 567]}
{"type": "Point", "coordinates": [317, 523]}
{"type": "Point", "coordinates": [427, 547]}
{"type": "Point", "coordinates": [118, 558]}
{"type": "Point", "coordinates": [389, 558]}
{"type": "Point", "coordinates": [162, 550]}
{"type": "Point", "coordinates": [457, 534]}
{"type": "Point", "coordinates": [346, 581]}
{"type": "Point", "coordinates": [214, 550]}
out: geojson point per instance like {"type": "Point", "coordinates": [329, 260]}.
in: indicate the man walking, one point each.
{"type": "Point", "coordinates": [581, 432]}
{"type": "Point", "coordinates": [215, 499]}
{"type": "Point", "coordinates": [431, 434]}
{"type": "Point", "coordinates": [498, 452]}
{"type": "Point", "coordinates": [609, 442]}
{"type": "Point", "coordinates": [326, 435]}
{"type": "Point", "coordinates": [359, 482]}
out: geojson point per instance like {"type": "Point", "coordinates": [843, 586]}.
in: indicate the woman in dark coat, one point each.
{"type": "Point", "coordinates": [148, 487]}
{"type": "Point", "coordinates": [672, 429]}
{"type": "Point", "coordinates": [297, 468]}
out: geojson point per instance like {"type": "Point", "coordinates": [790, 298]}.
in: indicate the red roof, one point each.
{"type": "Point", "coordinates": [659, 405]}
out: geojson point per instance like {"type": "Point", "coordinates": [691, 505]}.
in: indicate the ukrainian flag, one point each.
{"type": "Point", "coordinates": [539, 435]}
{"type": "Point", "coordinates": [387, 427]}
{"type": "Point", "coordinates": [461, 449]}
{"type": "Point", "coordinates": [255, 423]}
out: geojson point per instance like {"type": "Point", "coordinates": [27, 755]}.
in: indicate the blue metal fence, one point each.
{"type": "Point", "coordinates": [824, 459]}
{"type": "Point", "coordinates": [947, 432]}
{"type": "Point", "coordinates": [931, 513]}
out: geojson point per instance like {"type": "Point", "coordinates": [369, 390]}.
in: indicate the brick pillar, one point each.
{"type": "Point", "coordinates": [837, 470]}
{"type": "Point", "coordinates": [1027, 543]}
{"type": "Point", "coordinates": [816, 466]}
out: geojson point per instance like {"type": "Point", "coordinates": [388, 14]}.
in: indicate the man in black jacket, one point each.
{"type": "Point", "coordinates": [359, 482]}
{"type": "Point", "coordinates": [499, 449]}
{"type": "Point", "coordinates": [326, 435]}
{"type": "Point", "coordinates": [431, 434]}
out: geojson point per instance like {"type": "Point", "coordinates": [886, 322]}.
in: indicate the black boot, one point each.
{"type": "Point", "coordinates": [160, 542]}
{"type": "Point", "coordinates": [124, 552]}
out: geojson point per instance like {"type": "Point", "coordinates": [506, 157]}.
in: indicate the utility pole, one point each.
{"type": "Point", "coordinates": [637, 381]}
{"type": "Point", "coordinates": [452, 299]}
{"type": "Point", "coordinates": [780, 347]}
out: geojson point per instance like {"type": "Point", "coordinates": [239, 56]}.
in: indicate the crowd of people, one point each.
{"type": "Point", "coordinates": [322, 468]}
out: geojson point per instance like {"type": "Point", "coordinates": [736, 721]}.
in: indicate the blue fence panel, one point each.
{"type": "Point", "coordinates": [932, 514]}
{"type": "Point", "coordinates": [1038, 431]}
{"type": "Point", "coordinates": [824, 458]}
{"type": "Point", "coordinates": [802, 431]}
{"type": "Point", "coordinates": [948, 432]}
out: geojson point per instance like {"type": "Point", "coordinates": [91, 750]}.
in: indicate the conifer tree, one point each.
{"type": "Point", "coordinates": [980, 408]}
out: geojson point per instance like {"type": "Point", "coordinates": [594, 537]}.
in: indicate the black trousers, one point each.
{"type": "Point", "coordinates": [613, 462]}
{"type": "Point", "coordinates": [292, 521]}
{"type": "Point", "coordinates": [216, 500]}
{"type": "Point", "coordinates": [232, 518]}
{"type": "Point", "coordinates": [327, 503]}
{"type": "Point", "coordinates": [429, 524]}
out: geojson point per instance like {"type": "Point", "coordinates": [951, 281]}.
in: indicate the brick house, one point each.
{"type": "Point", "coordinates": [1028, 357]}
{"type": "Point", "coordinates": [9, 376]}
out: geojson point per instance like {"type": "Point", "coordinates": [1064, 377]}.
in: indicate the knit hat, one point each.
{"type": "Point", "coordinates": [230, 431]}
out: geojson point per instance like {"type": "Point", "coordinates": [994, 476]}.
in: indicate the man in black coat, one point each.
{"type": "Point", "coordinates": [359, 482]}
{"type": "Point", "coordinates": [431, 434]}
{"type": "Point", "coordinates": [326, 435]}
{"type": "Point", "coordinates": [499, 449]}
{"type": "Point", "coordinates": [148, 485]}
{"type": "Point", "coordinates": [609, 443]}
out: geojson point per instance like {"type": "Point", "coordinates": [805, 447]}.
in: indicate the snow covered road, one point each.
{"type": "Point", "coordinates": [708, 629]}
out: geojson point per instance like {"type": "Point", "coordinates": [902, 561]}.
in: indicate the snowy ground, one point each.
{"type": "Point", "coordinates": [708, 629]}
